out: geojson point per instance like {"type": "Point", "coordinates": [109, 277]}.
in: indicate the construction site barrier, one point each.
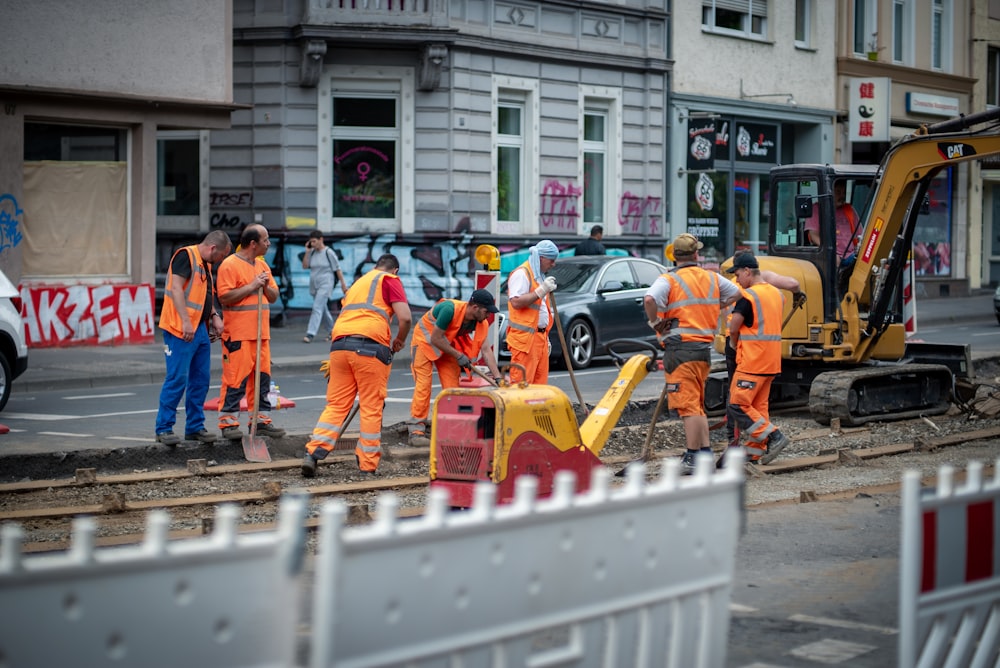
{"type": "Point", "coordinates": [223, 600]}
{"type": "Point", "coordinates": [639, 575]}
{"type": "Point", "coordinates": [949, 593]}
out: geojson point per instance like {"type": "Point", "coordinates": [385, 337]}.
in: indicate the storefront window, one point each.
{"type": "Point", "coordinates": [932, 237]}
{"type": "Point", "coordinates": [707, 214]}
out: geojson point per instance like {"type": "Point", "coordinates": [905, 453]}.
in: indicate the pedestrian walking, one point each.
{"type": "Point", "coordinates": [190, 322]}
{"type": "Point", "coordinates": [360, 362]}
{"type": "Point", "coordinates": [530, 315]}
{"type": "Point", "coordinates": [449, 337]}
{"type": "Point", "coordinates": [592, 245]}
{"type": "Point", "coordinates": [755, 331]}
{"type": "Point", "coordinates": [324, 273]}
{"type": "Point", "coordinates": [682, 307]}
{"type": "Point", "coordinates": [245, 284]}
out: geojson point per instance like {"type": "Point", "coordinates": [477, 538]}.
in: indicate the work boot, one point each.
{"type": "Point", "coordinates": [203, 436]}
{"type": "Point", "coordinates": [775, 444]}
{"type": "Point", "coordinates": [308, 466]}
{"type": "Point", "coordinates": [419, 440]}
{"type": "Point", "coordinates": [268, 429]}
{"type": "Point", "coordinates": [167, 438]}
{"type": "Point", "coordinates": [687, 462]}
{"type": "Point", "coordinates": [232, 433]}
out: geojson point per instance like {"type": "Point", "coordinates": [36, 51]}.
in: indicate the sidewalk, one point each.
{"type": "Point", "coordinates": [83, 367]}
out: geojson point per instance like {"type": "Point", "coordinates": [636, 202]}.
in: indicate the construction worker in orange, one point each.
{"type": "Point", "coordinates": [755, 332]}
{"type": "Point", "coordinates": [682, 307]}
{"type": "Point", "coordinates": [450, 337]}
{"type": "Point", "coordinates": [360, 361]}
{"type": "Point", "coordinates": [530, 316]}
{"type": "Point", "coordinates": [241, 276]}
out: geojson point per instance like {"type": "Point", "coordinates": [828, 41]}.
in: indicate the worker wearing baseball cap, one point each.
{"type": "Point", "coordinates": [682, 307]}
{"type": "Point", "coordinates": [449, 337]}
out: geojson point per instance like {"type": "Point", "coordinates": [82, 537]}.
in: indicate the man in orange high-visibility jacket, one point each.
{"type": "Point", "coordinates": [529, 314]}
{"type": "Point", "coordinates": [450, 337]}
{"type": "Point", "coordinates": [755, 331]}
{"type": "Point", "coordinates": [190, 322]}
{"type": "Point", "coordinates": [682, 307]}
{"type": "Point", "coordinates": [360, 361]}
{"type": "Point", "coordinates": [241, 276]}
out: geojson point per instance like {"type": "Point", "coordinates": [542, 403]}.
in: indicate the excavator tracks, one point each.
{"type": "Point", "coordinates": [889, 392]}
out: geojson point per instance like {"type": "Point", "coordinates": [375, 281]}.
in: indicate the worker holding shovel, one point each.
{"type": "Point", "coordinates": [244, 282]}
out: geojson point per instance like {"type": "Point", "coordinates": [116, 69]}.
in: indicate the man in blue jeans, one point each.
{"type": "Point", "coordinates": [190, 322]}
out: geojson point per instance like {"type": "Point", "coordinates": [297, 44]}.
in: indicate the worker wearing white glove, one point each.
{"type": "Point", "coordinates": [546, 286]}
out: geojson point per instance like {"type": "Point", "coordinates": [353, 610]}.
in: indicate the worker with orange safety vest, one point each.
{"type": "Point", "coordinates": [246, 284]}
{"type": "Point", "coordinates": [449, 337]}
{"type": "Point", "coordinates": [360, 361]}
{"type": "Point", "coordinates": [529, 314]}
{"type": "Point", "coordinates": [755, 332]}
{"type": "Point", "coordinates": [190, 322]}
{"type": "Point", "coordinates": [682, 307]}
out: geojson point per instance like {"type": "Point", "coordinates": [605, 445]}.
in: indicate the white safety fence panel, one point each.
{"type": "Point", "coordinates": [637, 576]}
{"type": "Point", "coordinates": [949, 594]}
{"type": "Point", "coordinates": [227, 599]}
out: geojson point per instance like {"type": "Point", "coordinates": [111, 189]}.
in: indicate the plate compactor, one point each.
{"type": "Point", "coordinates": [496, 434]}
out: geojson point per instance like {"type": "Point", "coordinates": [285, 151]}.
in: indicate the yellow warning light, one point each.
{"type": "Point", "coordinates": [488, 256]}
{"type": "Point", "coordinates": [668, 252]}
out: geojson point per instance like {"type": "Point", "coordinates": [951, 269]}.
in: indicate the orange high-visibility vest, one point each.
{"type": "Point", "coordinates": [468, 345]}
{"type": "Point", "coordinates": [694, 302]}
{"type": "Point", "coordinates": [523, 324]}
{"type": "Point", "coordinates": [195, 290]}
{"type": "Point", "coordinates": [759, 350]}
{"type": "Point", "coordinates": [365, 312]}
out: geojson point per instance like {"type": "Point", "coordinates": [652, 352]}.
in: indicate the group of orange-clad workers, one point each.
{"type": "Point", "coordinates": [683, 307]}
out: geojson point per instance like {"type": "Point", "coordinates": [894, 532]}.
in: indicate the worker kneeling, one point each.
{"type": "Point", "coordinates": [449, 337]}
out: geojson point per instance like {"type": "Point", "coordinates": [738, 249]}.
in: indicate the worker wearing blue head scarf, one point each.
{"type": "Point", "coordinates": [530, 316]}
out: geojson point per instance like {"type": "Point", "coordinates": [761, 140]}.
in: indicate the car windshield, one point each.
{"type": "Point", "coordinates": [573, 276]}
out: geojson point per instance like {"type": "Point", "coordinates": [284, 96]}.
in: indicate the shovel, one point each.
{"type": "Point", "coordinates": [254, 447]}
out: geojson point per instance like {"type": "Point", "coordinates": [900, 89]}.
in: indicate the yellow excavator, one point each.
{"type": "Point", "coordinates": [846, 348]}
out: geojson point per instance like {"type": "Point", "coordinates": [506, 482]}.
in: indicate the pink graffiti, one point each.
{"type": "Point", "coordinates": [640, 215]}
{"type": "Point", "coordinates": [558, 206]}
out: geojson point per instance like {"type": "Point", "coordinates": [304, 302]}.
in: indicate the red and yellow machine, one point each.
{"type": "Point", "coordinates": [498, 433]}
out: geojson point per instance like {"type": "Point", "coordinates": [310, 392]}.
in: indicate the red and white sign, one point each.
{"type": "Point", "coordinates": [868, 112]}
{"type": "Point", "coordinates": [77, 315]}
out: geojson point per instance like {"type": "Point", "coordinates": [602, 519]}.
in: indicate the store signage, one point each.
{"type": "Point", "coordinates": [869, 102]}
{"type": "Point", "coordinates": [932, 105]}
{"type": "Point", "coordinates": [701, 144]}
{"type": "Point", "coordinates": [756, 142]}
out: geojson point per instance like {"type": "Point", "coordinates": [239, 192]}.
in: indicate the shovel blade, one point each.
{"type": "Point", "coordinates": [255, 449]}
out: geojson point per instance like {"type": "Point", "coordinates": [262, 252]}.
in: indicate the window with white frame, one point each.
{"type": "Point", "coordinates": [803, 23]}
{"type": "Point", "coordinates": [600, 150]}
{"type": "Point", "coordinates": [902, 32]}
{"type": "Point", "coordinates": [363, 147]}
{"type": "Point", "coordinates": [941, 27]}
{"type": "Point", "coordinates": [993, 77]}
{"type": "Point", "coordinates": [515, 156]}
{"type": "Point", "coordinates": [865, 27]}
{"type": "Point", "coordinates": [747, 18]}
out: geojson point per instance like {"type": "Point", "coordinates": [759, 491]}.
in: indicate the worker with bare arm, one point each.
{"type": "Point", "coordinates": [241, 276]}
{"type": "Point", "coordinates": [190, 323]}
{"type": "Point", "coordinates": [755, 331]}
{"type": "Point", "coordinates": [530, 316]}
{"type": "Point", "coordinates": [360, 361]}
{"type": "Point", "coordinates": [682, 307]}
{"type": "Point", "coordinates": [449, 337]}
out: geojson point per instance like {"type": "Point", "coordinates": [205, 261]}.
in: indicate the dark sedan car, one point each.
{"type": "Point", "coordinates": [599, 299]}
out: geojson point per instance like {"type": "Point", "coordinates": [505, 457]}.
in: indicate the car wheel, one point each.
{"type": "Point", "coordinates": [5, 381]}
{"type": "Point", "coordinates": [580, 340]}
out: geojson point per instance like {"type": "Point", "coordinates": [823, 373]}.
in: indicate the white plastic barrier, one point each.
{"type": "Point", "coordinates": [223, 600]}
{"type": "Point", "coordinates": [636, 576]}
{"type": "Point", "coordinates": [949, 593]}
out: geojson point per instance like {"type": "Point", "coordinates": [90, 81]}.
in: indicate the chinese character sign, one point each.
{"type": "Point", "coordinates": [868, 105]}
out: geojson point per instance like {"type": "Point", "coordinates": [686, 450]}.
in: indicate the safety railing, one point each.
{"type": "Point", "coordinates": [949, 593]}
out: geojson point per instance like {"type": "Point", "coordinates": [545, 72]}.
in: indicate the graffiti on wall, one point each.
{"type": "Point", "coordinates": [640, 215]}
{"type": "Point", "coordinates": [87, 315]}
{"type": "Point", "coordinates": [10, 222]}
{"type": "Point", "coordinates": [557, 210]}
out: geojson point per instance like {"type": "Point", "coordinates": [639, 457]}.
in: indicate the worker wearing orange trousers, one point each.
{"type": "Point", "coordinates": [755, 330]}
{"type": "Point", "coordinates": [449, 337]}
{"type": "Point", "coordinates": [241, 277]}
{"type": "Point", "coordinates": [529, 314]}
{"type": "Point", "coordinates": [360, 362]}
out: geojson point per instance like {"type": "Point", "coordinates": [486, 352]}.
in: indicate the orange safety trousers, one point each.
{"type": "Point", "coordinates": [449, 373]}
{"type": "Point", "coordinates": [686, 388]}
{"type": "Point", "coordinates": [353, 375]}
{"type": "Point", "coordinates": [748, 406]}
{"type": "Point", "coordinates": [238, 381]}
{"type": "Point", "coordinates": [535, 361]}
